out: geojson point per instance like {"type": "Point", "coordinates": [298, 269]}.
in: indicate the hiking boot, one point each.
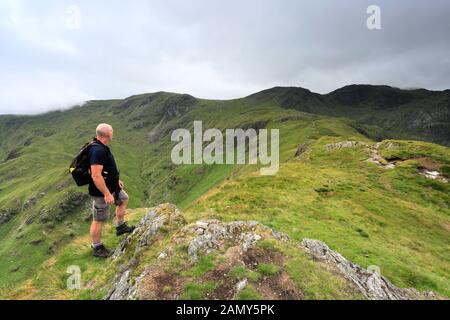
{"type": "Point", "coordinates": [124, 228]}
{"type": "Point", "coordinates": [101, 251]}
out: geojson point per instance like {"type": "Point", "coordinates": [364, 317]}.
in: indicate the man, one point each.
{"type": "Point", "coordinates": [106, 189]}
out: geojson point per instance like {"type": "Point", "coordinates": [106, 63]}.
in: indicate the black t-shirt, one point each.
{"type": "Point", "coordinates": [101, 154]}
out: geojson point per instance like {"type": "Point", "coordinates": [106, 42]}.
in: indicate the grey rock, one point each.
{"type": "Point", "coordinates": [375, 156]}
{"type": "Point", "coordinates": [207, 235]}
{"type": "Point", "coordinates": [148, 227]}
{"type": "Point", "coordinates": [433, 174]}
{"type": "Point", "coordinates": [302, 148]}
{"type": "Point", "coordinates": [241, 285]}
{"type": "Point", "coordinates": [390, 166]}
{"type": "Point", "coordinates": [371, 284]}
{"type": "Point", "coordinates": [29, 203]}
{"type": "Point", "coordinates": [391, 145]}
{"type": "Point", "coordinates": [7, 214]}
{"type": "Point", "coordinates": [30, 219]}
{"type": "Point", "coordinates": [345, 144]}
{"type": "Point", "coordinates": [214, 232]}
{"type": "Point", "coordinates": [280, 236]}
{"type": "Point", "coordinates": [162, 255]}
{"type": "Point", "coordinates": [248, 240]}
{"type": "Point", "coordinates": [124, 288]}
{"type": "Point", "coordinates": [121, 287]}
{"type": "Point", "coordinates": [240, 232]}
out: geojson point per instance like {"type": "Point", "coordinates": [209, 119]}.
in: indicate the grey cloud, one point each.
{"type": "Point", "coordinates": [214, 49]}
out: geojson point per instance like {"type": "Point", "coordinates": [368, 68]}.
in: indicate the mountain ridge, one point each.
{"type": "Point", "coordinates": [391, 211]}
{"type": "Point", "coordinates": [383, 112]}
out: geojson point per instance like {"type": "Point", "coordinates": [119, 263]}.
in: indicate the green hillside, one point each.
{"type": "Point", "coordinates": [397, 219]}
{"type": "Point", "coordinates": [382, 112]}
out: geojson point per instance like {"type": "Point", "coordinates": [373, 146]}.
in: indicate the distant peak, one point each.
{"type": "Point", "coordinates": [357, 87]}
{"type": "Point", "coordinates": [279, 90]}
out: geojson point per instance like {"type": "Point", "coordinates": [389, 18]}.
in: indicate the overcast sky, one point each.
{"type": "Point", "coordinates": [224, 49]}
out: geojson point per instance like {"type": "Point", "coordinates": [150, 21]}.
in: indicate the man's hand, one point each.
{"type": "Point", "coordinates": [109, 199]}
{"type": "Point", "coordinates": [121, 184]}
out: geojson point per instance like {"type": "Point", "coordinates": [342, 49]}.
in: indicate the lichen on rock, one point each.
{"type": "Point", "coordinates": [371, 284]}
{"type": "Point", "coordinates": [209, 234]}
{"type": "Point", "coordinates": [208, 252]}
{"type": "Point", "coordinates": [148, 227]}
{"type": "Point", "coordinates": [345, 144]}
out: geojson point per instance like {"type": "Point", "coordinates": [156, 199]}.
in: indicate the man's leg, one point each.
{"type": "Point", "coordinates": [120, 212]}
{"type": "Point", "coordinates": [100, 214]}
{"type": "Point", "coordinates": [121, 207]}
{"type": "Point", "coordinates": [96, 232]}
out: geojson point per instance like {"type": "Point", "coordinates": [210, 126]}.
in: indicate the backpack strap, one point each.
{"type": "Point", "coordinates": [89, 144]}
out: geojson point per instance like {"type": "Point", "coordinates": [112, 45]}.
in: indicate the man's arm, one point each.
{"type": "Point", "coordinates": [99, 181]}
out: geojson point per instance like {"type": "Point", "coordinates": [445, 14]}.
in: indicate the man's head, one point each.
{"type": "Point", "coordinates": [104, 132]}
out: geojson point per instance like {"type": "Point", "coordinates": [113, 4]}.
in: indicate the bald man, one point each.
{"type": "Point", "coordinates": [106, 189]}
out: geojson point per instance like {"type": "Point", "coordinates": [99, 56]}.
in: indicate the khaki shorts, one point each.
{"type": "Point", "coordinates": [100, 210]}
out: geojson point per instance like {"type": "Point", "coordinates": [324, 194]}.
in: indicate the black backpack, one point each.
{"type": "Point", "coordinates": [80, 168]}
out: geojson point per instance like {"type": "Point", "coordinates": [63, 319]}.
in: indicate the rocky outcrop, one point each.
{"type": "Point", "coordinates": [433, 174]}
{"type": "Point", "coordinates": [161, 130]}
{"type": "Point", "coordinates": [148, 227]}
{"type": "Point", "coordinates": [73, 201]}
{"type": "Point", "coordinates": [175, 106]}
{"type": "Point", "coordinates": [302, 148]}
{"type": "Point", "coordinates": [370, 283]}
{"type": "Point", "coordinates": [7, 214]}
{"type": "Point", "coordinates": [13, 154]}
{"type": "Point", "coordinates": [199, 238]}
{"type": "Point", "coordinates": [376, 157]}
{"type": "Point", "coordinates": [373, 150]}
{"type": "Point", "coordinates": [211, 233]}
{"type": "Point", "coordinates": [236, 245]}
{"type": "Point", "coordinates": [165, 215]}
{"type": "Point", "coordinates": [345, 144]}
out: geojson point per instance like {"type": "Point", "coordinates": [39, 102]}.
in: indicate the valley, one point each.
{"type": "Point", "coordinates": [387, 212]}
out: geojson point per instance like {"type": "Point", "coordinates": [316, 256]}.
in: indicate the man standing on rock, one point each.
{"type": "Point", "coordinates": [106, 189]}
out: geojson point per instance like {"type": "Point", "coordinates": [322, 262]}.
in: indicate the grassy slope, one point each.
{"type": "Point", "coordinates": [394, 219]}
{"type": "Point", "coordinates": [37, 171]}
{"type": "Point", "coordinates": [45, 144]}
